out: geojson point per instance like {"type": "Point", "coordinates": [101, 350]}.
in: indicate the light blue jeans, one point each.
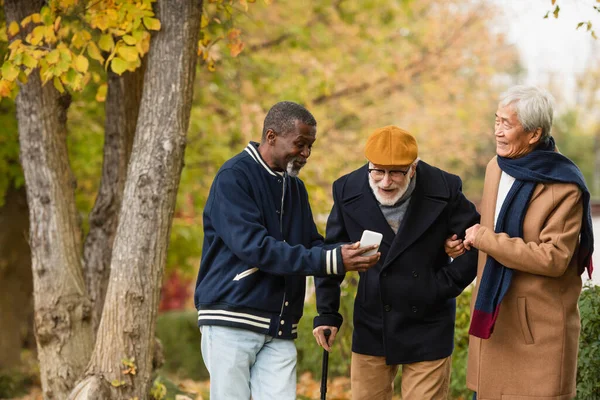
{"type": "Point", "coordinates": [242, 363]}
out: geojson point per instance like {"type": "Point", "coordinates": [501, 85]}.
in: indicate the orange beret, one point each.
{"type": "Point", "coordinates": [391, 145]}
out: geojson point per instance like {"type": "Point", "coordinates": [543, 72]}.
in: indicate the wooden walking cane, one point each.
{"type": "Point", "coordinates": [327, 333]}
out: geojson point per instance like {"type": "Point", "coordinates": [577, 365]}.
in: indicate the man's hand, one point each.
{"type": "Point", "coordinates": [352, 256]}
{"type": "Point", "coordinates": [453, 246]}
{"type": "Point", "coordinates": [470, 235]}
{"type": "Point", "coordinates": [320, 336]}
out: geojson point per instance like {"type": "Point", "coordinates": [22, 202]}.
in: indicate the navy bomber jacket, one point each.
{"type": "Point", "coordinates": [260, 243]}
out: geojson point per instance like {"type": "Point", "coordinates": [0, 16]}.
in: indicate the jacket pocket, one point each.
{"type": "Point", "coordinates": [522, 307]}
{"type": "Point", "coordinates": [244, 274]}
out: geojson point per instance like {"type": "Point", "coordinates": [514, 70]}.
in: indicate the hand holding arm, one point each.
{"type": "Point", "coordinates": [454, 247]}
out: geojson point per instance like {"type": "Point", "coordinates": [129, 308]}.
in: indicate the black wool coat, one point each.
{"type": "Point", "coordinates": [405, 305]}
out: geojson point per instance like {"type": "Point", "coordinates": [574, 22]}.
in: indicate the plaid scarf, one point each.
{"type": "Point", "coordinates": [543, 165]}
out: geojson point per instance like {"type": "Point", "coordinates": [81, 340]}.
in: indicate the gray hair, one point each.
{"type": "Point", "coordinates": [534, 108]}
{"type": "Point", "coordinates": [282, 118]}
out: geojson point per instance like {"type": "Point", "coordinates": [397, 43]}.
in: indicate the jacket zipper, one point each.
{"type": "Point", "coordinates": [281, 230]}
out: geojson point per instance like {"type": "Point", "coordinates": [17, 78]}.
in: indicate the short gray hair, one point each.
{"type": "Point", "coordinates": [534, 108]}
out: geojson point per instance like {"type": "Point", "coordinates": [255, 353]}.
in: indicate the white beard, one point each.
{"type": "Point", "coordinates": [389, 201]}
{"type": "Point", "coordinates": [291, 168]}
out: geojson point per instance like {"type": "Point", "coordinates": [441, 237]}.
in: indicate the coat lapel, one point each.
{"type": "Point", "coordinates": [422, 211]}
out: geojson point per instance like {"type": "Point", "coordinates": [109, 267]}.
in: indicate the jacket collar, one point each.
{"type": "Point", "coordinates": [252, 149]}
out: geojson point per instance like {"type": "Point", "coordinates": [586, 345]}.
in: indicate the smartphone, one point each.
{"type": "Point", "coordinates": [370, 238]}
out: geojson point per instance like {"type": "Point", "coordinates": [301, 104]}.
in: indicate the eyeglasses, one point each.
{"type": "Point", "coordinates": [379, 174]}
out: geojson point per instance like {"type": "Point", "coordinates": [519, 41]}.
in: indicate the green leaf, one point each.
{"type": "Point", "coordinates": [118, 65]}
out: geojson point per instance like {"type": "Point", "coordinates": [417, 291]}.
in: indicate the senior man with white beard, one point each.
{"type": "Point", "coordinates": [405, 305]}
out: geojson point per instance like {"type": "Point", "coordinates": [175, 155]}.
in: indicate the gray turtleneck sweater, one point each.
{"type": "Point", "coordinates": [395, 214]}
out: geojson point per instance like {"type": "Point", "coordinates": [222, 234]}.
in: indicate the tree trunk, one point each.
{"type": "Point", "coordinates": [62, 310]}
{"type": "Point", "coordinates": [16, 302]}
{"type": "Point", "coordinates": [127, 326]}
{"type": "Point", "coordinates": [122, 107]}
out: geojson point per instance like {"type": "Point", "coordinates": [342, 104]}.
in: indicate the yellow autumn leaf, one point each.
{"type": "Point", "coordinates": [15, 44]}
{"type": "Point", "coordinates": [58, 85]}
{"type": "Point", "coordinates": [118, 65]}
{"type": "Point", "coordinates": [244, 4]}
{"type": "Point", "coordinates": [57, 23]}
{"type": "Point", "coordinates": [130, 40]}
{"type": "Point", "coordinates": [81, 63]}
{"type": "Point", "coordinates": [106, 42]}
{"type": "Point", "coordinates": [29, 61]}
{"type": "Point", "coordinates": [23, 77]}
{"type": "Point", "coordinates": [13, 28]}
{"type": "Point", "coordinates": [94, 52]}
{"type": "Point", "coordinates": [211, 66]}
{"type": "Point", "coordinates": [235, 48]}
{"type": "Point", "coordinates": [9, 71]}
{"type": "Point", "coordinates": [5, 87]}
{"type": "Point", "coordinates": [152, 24]}
{"type": "Point", "coordinates": [37, 35]}
{"type": "Point", "coordinates": [26, 21]}
{"type": "Point", "coordinates": [127, 53]}
{"type": "Point", "coordinates": [36, 18]}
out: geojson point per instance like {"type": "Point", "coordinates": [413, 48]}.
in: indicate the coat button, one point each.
{"type": "Point", "coordinates": [282, 322]}
{"type": "Point", "coordinates": [387, 308]}
{"type": "Point", "coordinates": [414, 309]}
{"type": "Point", "coordinates": [415, 274]}
{"type": "Point", "coordinates": [280, 333]}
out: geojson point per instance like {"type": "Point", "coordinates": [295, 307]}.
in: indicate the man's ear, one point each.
{"type": "Point", "coordinates": [536, 135]}
{"type": "Point", "coordinates": [270, 136]}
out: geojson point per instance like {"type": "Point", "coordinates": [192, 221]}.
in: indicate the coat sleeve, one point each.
{"type": "Point", "coordinates": [237, 220]}
{"type": "Point", "coordinates": [559, 237]}
{"type": "Point", "coordinates": [453, 278]}
{"type": "Point", "coordinates": [328, 288]}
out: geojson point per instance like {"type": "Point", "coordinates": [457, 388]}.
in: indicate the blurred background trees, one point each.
{"type": "Point", "coordinates": [433, 67]}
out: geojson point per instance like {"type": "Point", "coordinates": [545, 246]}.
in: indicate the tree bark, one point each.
{"type": "Point", "coordinates": [16, 302]}
{"type": "Point", "coordinates": [122, 107]}
{"type": "Point", "coordinates": [61, 307]}
{"type": "Point", "coordinates": [127, 327]}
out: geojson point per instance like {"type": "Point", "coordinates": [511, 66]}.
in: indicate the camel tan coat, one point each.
{"type": "Point", "coordinates": [532, 353]}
